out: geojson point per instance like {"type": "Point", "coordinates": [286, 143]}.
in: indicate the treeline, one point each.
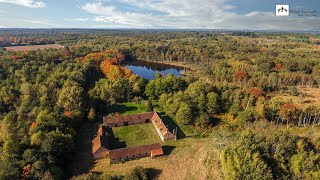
{"type": "Point", "coordinates": [138, 173]}
{"type": "Point", "coordinates": [43, 100]}
{"type": "Point", "coordinates": [17, 41]}
{"type": "Point", "coordinates": [272, 156]}
{"type": "Point", "coordinates": [244, 33]}
{"type": "Point", "coordinates": [271, 60]}
{"type": "Point", "coordinates": [194, 102]}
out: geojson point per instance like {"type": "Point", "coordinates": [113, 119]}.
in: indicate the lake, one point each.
{"type": "Point", "coordinates": [148, 70]}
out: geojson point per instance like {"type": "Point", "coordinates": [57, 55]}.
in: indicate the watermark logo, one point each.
{"type": "Point", "coordinates": [282, 10]}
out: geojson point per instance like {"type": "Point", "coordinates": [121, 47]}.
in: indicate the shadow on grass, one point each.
{"type": "Point", "coordinates": [153, 173]}
{"type": "Point", "coordinates": [121, 108]}
{"type": "Point", "coordinates": [168, 149]}
{"type": "Point", "coordinates": [215, 121]}
{"type": "Point", "coordinates": [172, 125]}
{"type": "Point", "coordinates": [82, 158]}
{"type": "Point", "coordinates": [114, 142]}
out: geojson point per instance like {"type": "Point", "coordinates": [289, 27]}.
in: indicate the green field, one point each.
{"type": "Point", "coordinates": [135, 135]}
{"type": "Point", "coordinates": [128, 108]}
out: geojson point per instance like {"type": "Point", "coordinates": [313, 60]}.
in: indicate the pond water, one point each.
{"type": "Point", "coordinates": [148, 70]}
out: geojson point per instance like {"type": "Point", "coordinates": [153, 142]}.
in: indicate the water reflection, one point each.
{"type": "Point", "coordinates": [148, 69]}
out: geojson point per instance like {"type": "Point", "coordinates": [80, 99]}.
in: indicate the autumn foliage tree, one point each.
{"type": "Point", "coordinates": [289, 112]}
{"type": "Point", "coordinates": [241, 76]}
{"type": "Point", "coordinates": [256, 92]}
{"type": "Point", "coordinates": [278, 67]}
{"type": "Point", "coordinates": [97, 58]}
{"type": "Point", "coordinates": [114, 71]}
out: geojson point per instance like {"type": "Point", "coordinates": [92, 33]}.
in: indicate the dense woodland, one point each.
{"type": "Point", "coordinates": [46, 95]}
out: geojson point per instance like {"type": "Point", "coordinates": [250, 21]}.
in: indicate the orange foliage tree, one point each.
{"type": "Point", "coordinates": [15, 57]}
{"type": "Point", "coordinates": [289, 112]}
{"type": "Point", "coordinates": [113, 71]}
{"type": "Point", "coordinates": [278, 67]}
{"type": "Point", "coordinates": [256, 92]}
{"type": "Point", "coordinates": [97, 58]}
{"type": "Point", "coordinates": [109, 62]}
{"type": "Point", "coordinates": [240, 76]}
{"type": "Point", "coordinates": [33, 124]}
{"type": "Point", "coordinates": [26, 173]}
{"type": "Point", "coordinates": [68, 114]}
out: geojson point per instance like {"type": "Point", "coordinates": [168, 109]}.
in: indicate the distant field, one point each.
{"type": "Point", "coordinates": [307, 96]}
{"type": "Point", "coordinates": [135, 135]}
{"type": "Point", "coordinates": [32, 47]}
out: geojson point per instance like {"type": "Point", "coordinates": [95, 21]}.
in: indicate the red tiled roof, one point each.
{"type": "Point", "coordinates": [156, 152]}
{"type": "Point", "coordinates": [127, 118]}
{"type": "Point", "coordinates": [157, 121]}
{"type": "Point", "coordinates": [133, 151]}
{"type": "Point", "coordinates": [160, 125]}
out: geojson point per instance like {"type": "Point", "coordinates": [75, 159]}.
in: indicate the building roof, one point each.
{"type": "Point", "coordinates": [160, 125]}
{"type": "Point", "coordinates": [134, 151]}
{"type": "Point", "coordinates": [101, 130]}
{"type": "Point", "coordinates": [156, 152]}
{"type": "Point", "coordinates": [127, 118]}
{"type": "Point", "coordinates": [156, 120]}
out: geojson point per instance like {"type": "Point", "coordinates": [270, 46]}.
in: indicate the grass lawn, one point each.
{"type": "Point", "coordinates": [135, 135]}
{"type": "Point", "coordinates": [189, 158]}
{"type": "Point", "coordinates": [128, 108]}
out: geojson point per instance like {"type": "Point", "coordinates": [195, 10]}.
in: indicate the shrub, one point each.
{"type": "Point", "coordinates": [271, 156]}
{"type": "Point", "coordinates": [234, 110]}
{"type": "Point", "coordinates": [247, 116]}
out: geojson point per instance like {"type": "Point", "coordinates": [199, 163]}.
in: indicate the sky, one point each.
{"type": "Point", "coordinates": [159, 14]}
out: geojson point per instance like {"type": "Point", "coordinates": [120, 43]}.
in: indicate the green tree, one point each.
{"type": "Point", "coordinates": [149, 106]}
{"type": "Point", "coordinates": [202, 101]}
{"type": "Point", "coordinates": [9, 169]}
{"type": "Point", "coordinates": [138, 173]}
{"type": "Point", "coordinates": [234, 109]}
{"type": "Point", "coordinates": [185, 114]}
{"type": "Point", "coordinates": [247, 116]}
{"type": "Point", "coordinates": [305, 164]}
{"type": "Point", "coordinates": [213, 104]}
{"type": "Point", "coordinates": [203, 121]}
{"type": "Point", "coordinates": [242, 163]}
{"type": "Point", "coordinates": [71, 97]}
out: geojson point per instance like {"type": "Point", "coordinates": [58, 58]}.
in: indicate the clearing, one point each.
{"type": "Point", "coordinates": [33, 47]}
{"type": "Point", "coordinates": [128, 108]}
{"type": "Point", "coordinates": [188, 158]}
{"type": "Point", "coordinates": [134, 135]}
{"type": "Point", "coordinates": [307, 96]}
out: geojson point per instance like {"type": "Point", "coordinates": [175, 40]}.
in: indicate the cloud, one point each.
{"type": "Point", "coordinates": [26, 3]}
{"type": "Point", "coordinates": [77, 19]}
{"type": "Point", "coordinates": [40, 22]}
{"type": "Point", "coordinates": [16, 22]}
{"type": "Point", "coordinates": [191, 14]}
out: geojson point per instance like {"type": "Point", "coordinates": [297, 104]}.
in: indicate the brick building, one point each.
{"type": "Point", "coordinates": [101, 147]}
{"type": "Point", "coordinates": [123, 154]}
{"type": "Point", "coordinates": [132, 119]}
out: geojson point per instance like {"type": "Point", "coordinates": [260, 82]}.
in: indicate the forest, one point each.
{"type": "Point", "coordinates": [235, 82]}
